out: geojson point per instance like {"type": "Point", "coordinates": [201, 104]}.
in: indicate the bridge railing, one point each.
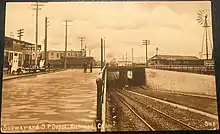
{"type": "Point", "coordinates": [101, 86]}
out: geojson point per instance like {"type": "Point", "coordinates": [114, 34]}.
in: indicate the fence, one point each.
{"type": "Point", "coordinates": [100, 81]}
{"type": "Point", "coordinates": [208, 70]}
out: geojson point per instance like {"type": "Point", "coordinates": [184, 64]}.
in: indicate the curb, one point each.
{"type": "Point", "coordinates": [29, 75]}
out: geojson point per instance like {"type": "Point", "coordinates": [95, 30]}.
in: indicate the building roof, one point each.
{"type": "Point", "coordinates": [24, 42]}
{"type": "Point", "coordinates": [173, 57]}
{"type": "Point", "coordinates": [60, 51]}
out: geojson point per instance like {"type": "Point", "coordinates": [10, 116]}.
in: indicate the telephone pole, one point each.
{"type": "Point", "coordinates": [123, 59]}
{"type": "Point", "coordinates": [102, 61]}
{"type": "Point", "coordinates": [90, 52]}
{"type": "Point", "coordinates": [81, 40]}
{"type": "Point", "coordinates": [20, 33]}
{"type": "Point", "coordinates": [157, 49]}
{"type": "Point", "coordinates": [132, 55]}
{"type": "Point", "coordinates": [126, 58]}
{"type": "Point", "coordinates": [104, 50]}
{"type": "Point", "coordinates": [66, 24]}
{"type": "Point", "coordinates": [146, 43]}
{"type": "Point", "coordinates": [45, 43]}
{"type": "Point", "coordinates": [37, 8]}
{"type": "Point", "coordinates": [85, 49]}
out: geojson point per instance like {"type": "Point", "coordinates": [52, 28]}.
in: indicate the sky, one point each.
{"type": "Point", "coordinates": [170, 26]}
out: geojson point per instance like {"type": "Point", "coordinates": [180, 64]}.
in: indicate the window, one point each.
{"type": "Point", "coordinates": [51, 53]}
{"type": "Point", "coordinates": [68, 54]}
{"type": "Point", "coordinates": [15, 54]}
{"type": "Point", "coordinates": [58, 55]}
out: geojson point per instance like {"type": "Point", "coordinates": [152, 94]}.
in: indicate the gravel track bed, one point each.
{"type": "Point", "coordinates": [203, 104]}
{"type": "Point", "coordinates": [122, 119]}
{"type": "Point", "coordinates": [195, 120]}
{"type": "Point", "coordinates": [109, 114]}
{"type": "Point", "coordinates": [158, 121]}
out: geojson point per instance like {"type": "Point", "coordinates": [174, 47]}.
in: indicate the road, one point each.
{"type": "Point", "coordinates": [66, 97]}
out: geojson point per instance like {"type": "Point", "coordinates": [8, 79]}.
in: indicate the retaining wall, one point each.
{"type": "Point", "coordinates": [181, 81]}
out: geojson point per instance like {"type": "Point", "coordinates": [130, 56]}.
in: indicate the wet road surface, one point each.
{"type": "Point", "coordinates": [66, 97]}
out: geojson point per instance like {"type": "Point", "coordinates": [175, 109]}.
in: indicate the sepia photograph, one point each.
{"type": "Point", "coordinates": [108, 66]}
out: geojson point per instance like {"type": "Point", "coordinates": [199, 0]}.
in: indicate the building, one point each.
{"type": "Point", "coordinates": [26, 48]}
{"type": "Point", "coordinates": [175, 60]}
{"type": "Point", "coordinates": [22, 46]}
{"type": "Point", "coordinates": [57, 55]}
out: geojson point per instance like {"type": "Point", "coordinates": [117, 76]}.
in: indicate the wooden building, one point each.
{"type": "Point", "coordinates": [175, 60]}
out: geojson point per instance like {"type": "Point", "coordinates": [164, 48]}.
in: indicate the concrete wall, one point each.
{"type": "Point", "coordinates": [183, 82]}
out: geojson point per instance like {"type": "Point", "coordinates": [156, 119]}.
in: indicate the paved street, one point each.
{"type": "Point", "coordinates": [66, 97]}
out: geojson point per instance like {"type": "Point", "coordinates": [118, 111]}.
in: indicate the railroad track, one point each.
{"type": "Point", "coordinates": [186, 94]}
{"type": "Point", "coordinates": [136, 114]}
{"type": "Point", "coordinates": [176, 105]}
{"type": "Point", "coordinates": [182, 124]}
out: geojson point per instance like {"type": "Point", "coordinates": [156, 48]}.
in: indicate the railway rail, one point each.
{"type": "Point", "coordinates": [176, 105]}
{"type": "Point", "coordinates": [187, 94]}
{"type": "Point", "coordinates": [136, 114]}
{"type": "Point", "coordinates": [182, 124]}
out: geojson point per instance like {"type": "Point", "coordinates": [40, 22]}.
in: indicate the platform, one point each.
{"type": "Point", "coordinates": [60, 101]}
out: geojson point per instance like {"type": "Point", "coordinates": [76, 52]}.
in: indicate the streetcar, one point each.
{"type": "Point", "coordinates": [17, 60]}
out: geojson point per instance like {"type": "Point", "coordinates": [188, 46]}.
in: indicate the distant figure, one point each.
{"type": "Point", "coordinates": [85, 67]}
{"type": "Point", "coordinates": [9, 67]}
{"type": "Point", "coordinates": [90, 66]}
{"type": "Point", "coordinates": [48, 65]}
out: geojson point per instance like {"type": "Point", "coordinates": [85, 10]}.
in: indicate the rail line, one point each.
{"type": "Point", "coordinates": [187, 94]}
{"type": "Point", "coordinates": [165, 115]}
{"type": "Point", "coordinates": [176, 105]}
{"type": "Point", "coordinates": [148, 125]}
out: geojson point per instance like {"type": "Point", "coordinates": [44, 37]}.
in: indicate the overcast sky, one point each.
{"type": "Point", "coordinates": [170, 26]}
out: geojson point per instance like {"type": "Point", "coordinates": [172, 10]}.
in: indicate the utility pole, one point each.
{"type": "Point", "coordinates": [81, 40]}
{"type": "Point", "coordinates": [104, 51]}
{"type": "Point", "coordinates": [157, 49]}
{"type": "Point", "coordinates": [146, 43]}
{"type": "Point", "coordinates": [37, 8]}
{"type": "Point", "coordinates": [123, 59]}
{"type": "Point", "coordinates": [45, 43]}
{"type": "Point", "coordinates": [66, 24]}
{"type": "Point", "coordinates": [90, 52]}
{"type": "Point", "coordinates": [132, 55]}
{"type": "Point", "coordinates": [126, 57]}
{"type": "Point", "coordinates": [85, 49]}
{"type": "Point", "coordinates": [20, 33]}
{"type": "Point", "coordinates": [102, 65]}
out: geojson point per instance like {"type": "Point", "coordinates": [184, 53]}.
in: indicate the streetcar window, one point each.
{"type": "Point", "coordinates": [16, 54]}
